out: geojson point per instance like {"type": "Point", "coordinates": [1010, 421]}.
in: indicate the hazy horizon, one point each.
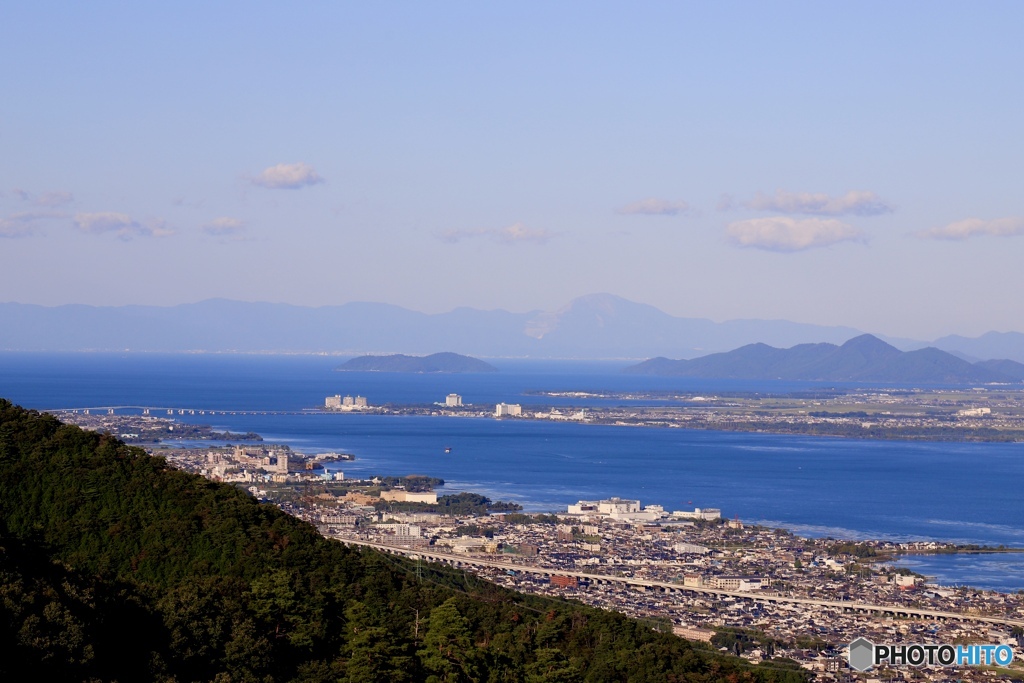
{"type": "Point", "coordinates": [535, 311]}
{"type": "Point", "coordinates": [825, 164]}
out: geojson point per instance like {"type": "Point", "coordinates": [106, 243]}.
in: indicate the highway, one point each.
{"type": "Point", "coordinates": [665, 587]}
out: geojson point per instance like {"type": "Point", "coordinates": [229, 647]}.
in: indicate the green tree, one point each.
{"type": "Point", "coordinates": [552, 666]}
{"type": "Point", "coordinates": [372, 651]}
{"type": "Point", "coordinates": [448, 652]}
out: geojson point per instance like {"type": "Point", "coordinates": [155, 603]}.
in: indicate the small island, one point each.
{"type": "Point", "coordinates": [437, 362]}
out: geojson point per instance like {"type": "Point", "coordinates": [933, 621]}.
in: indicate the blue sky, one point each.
{"type": "Point", "coordinates": [834, 163]}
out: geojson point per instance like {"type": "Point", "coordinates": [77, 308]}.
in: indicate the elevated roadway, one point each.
{"type": "Point", "coordinates": [849, 607]}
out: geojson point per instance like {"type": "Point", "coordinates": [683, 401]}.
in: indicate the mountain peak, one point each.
{"type": "Point", "coordinates": [869, 344]}
{"type": "Point", "coordinates": [596, 313]}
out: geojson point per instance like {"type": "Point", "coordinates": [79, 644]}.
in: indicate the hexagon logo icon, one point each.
{"type": "Point", "coordinates": [862, 654]}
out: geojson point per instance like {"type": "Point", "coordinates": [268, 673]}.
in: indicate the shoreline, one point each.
{"type": "Point", "coordinates": [737, 427]}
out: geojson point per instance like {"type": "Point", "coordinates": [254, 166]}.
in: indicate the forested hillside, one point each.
{"type": "Point", "coordinates": [114, 566]}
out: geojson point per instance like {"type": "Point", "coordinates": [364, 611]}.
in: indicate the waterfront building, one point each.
{"type": "Point", "coordinates": [698, 513]}
{"type": "Point", "coordinates": [453, 401]}
{"type": "Point", "coordinates": [508, 410]}
{"type": "Point", "coordinates": [618, 509]}
{"type": "Point", "coordinates": [584, 507]}
{"type": "Point", "coordinates": [345, 403]}
{"type": "Point", "coordinates": [399, 496]}
{"type": "Point", "coordinates": [617, 506]}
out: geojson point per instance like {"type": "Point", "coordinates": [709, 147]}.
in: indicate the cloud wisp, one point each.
{"type": "Point", "coordinates": [54, 199]}
{"type": "Point", "coordinates": [25, 223]}
{"type": "Point", "coordinates": [224, 226]}
{"type": "Point", "coordinates": [1011, 226]}
{"type": "Point", "coordinates": [122, 225]}
{"type": "Point", "coordinates": [49, 200]}
{"type": "Point", "coordinates": [854, 202]}
{"type": "Point", "coordinates": [512, 234]}
{"type": "Point", "coordinates": [288, 176]}
{"type": "Point", "coordinates": [786, 234]}
{"type": "Point", "coordinates": [654, 207]}
{"type": "Point", "coordinates": [726, 202]}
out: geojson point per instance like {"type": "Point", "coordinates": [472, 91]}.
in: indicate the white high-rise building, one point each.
{"type": "Point", "coordinates": [508, 409]}
{"type": "Point", "coordinates": [453, 400]}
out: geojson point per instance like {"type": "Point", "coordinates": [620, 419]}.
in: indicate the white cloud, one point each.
{"type": "Point", "coordinates": [976, 227]}
{"type": "Point", "coordinates": [787, 234]}
{"type": "Point", "coordinates": [517, 232]}
{"type": "Point", "coordinates": [124, 226]}
{"type": "Point", "coordinates": [288, 176]}
{"type": "Point", "coordinates": [24, 223]}
{"type": "Point", "coordinates": [855, 202]}
{"type": "Point", "coordinates": [224, 226]}
{"type": "Point", "coordinates": [654, 207]}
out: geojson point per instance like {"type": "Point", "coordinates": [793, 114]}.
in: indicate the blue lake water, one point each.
{"type": "Point", "coordinates": [968, 493]}
{"type": "Point", "coordinates": [995, 571]}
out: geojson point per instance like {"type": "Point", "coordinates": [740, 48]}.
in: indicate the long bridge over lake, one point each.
{"type": "Point", "coordinates": [848, 607]}
{"type": "Point", "coordinates": [157, 411]}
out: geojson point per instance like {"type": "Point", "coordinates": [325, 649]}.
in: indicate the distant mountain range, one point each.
{"type": "Point", "coordinates": [862, 359]}
{"type": "Point", "coordinates": [989, 345]}
{"type": "Point", "coordinates": [436, 362]}
{"type": "Point", "coordinates": [597, 326]}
